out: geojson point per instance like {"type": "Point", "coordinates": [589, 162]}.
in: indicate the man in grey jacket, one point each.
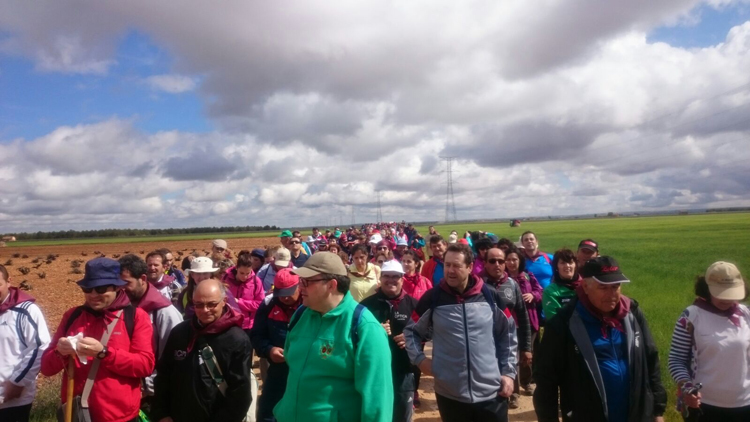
{"type": "Point", "coordinates": [164, 316]}
{"type": "Point", "coordinates": [473, 376]}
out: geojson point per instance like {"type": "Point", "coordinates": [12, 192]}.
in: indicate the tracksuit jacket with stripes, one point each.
{"type": "Point", "coordinates": [23, 339]}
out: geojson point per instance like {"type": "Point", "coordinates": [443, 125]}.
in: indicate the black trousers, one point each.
{"type": "Point", "coordinates": [708, 413]}
{"type": "Point", "coordinates": [273, 390]}
{"type": "Point", "coordinates": [16, 414]}
{"type": "Point", "coordinates": [493, 410]}
{"type": "Point", "coordinates": [247, 331]}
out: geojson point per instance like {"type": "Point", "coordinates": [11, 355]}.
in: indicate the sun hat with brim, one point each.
{"type": "Point", "coordinates": [604, 269]}
{"type": "Point", "coordinates": [285, 283]}
{"type": "Point", "coordinates": [259, 252]}
{"type": "Point", "coordinates": [219, 243]}
{"type": "Point", "coordinates": [725, 281]}
{"type": "Point", "coordinates": [286, 233]}
{"type": "Point", "coordinates": [101, 272]}
{"type": "Point", "coordinates": [392, 266]}
{"type": "Point", "coordinates": [282, 257]}
{"type": "Point", "coordinates": [321, 263]}
{"type": "Point", "coordinates": [202, 264]}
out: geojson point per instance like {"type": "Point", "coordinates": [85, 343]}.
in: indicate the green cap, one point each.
{"type": "Point", "coordinates": [286, 233]}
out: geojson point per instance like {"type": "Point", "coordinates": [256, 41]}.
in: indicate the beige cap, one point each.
{"type": "Point", "coordinates": [219, 243]}
{"type": "Point", "coordinates": [725, 281]}
{"type": "Point", "coordinates": [282, 257]}
{"type": "Point", "coordinates": [321, 262]}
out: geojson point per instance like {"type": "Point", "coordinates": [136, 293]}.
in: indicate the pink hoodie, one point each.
{"type": "Point", "coordinates": [249, 294]}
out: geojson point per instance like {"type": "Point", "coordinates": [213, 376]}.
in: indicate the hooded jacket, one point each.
{"type": "Point", "coordinates": [164, 317]}
{"type": "Point", "coordinates": [249, 295]}
{"type": "Point", "coordinates": [23, 339]}
{"type": "Point", "coordinates": [558, 294]}
{"type": "Point", "coordinates": [185, 390]}
{"type": "Point", "coordinates": [528, 284]}
{"type": "Point", "coordinates": [566, 359]}
{"type": "Point", "coordinates": [510, 298]}
{"type": "Point", "coordinates": [467, 366]}
{"type": "Point", "coordinates": [116, 395]}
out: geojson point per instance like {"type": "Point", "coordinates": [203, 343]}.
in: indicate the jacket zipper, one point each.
{"type": "Point", "coordinates": [468, 360]}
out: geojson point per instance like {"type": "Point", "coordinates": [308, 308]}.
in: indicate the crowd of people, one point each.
{"type": "Point", "coordinates": [340, 325]}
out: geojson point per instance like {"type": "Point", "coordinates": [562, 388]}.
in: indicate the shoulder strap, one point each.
{"type": "Point", "coordinates": [129, 317]}
{"type": "Point", "coordinates": [209, 359]}
{"type": "Point", "coordinates": [489, 297]}
{"type": "Point", "coordinates": [73, 316]}
{"type": "Point", "coordinates": [546, 257]}
{"type": "Point", "coordinates": [355, 323]}
{"type": "Point", "coordinates": [433, 301]}
{"type": "Point", "coordinates": [95, 366]}
{"type": "Point", "coordinates": [296, 316]}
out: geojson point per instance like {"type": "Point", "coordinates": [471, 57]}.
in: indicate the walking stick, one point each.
{"type": "Point", "coordinates": [71, 384]}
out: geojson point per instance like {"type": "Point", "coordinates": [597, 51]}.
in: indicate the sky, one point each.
{"type": "Point", "coordinates": [145, 114]}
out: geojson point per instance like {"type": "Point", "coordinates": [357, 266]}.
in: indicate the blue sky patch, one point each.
{"type": "Point", "coordinates": [711, 29]}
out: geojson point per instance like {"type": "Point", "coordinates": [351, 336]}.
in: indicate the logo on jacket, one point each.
{"type": "Point", "coordinates": [180, 354]}
{"type": "Point", "coordinates": [326, 350]}
{"type": "Point", "coordinates": [637, 338]}
{"type": "Point", "coordinates": [508, 294]}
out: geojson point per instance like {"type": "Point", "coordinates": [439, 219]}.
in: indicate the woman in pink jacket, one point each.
{"type": "Point", "coordinates": [246, 288]}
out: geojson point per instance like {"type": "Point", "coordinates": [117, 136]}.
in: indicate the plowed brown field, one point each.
{"type": "Point", "coordinates": [53, 284]}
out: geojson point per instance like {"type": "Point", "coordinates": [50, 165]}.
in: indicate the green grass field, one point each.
{"type": "Point", "coordinates": [661, 256]}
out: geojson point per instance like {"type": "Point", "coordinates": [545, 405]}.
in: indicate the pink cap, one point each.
{"type": "Point", "coordinates": [285, 283]}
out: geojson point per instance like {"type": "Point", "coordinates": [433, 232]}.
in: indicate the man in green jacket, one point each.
{"type": "Point", "coordinates": [338, 354]}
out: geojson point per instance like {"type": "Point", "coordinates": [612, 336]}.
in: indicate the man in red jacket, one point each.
{"type": "Point", "coordinates": [126, 357]}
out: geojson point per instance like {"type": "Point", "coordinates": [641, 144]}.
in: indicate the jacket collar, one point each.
{"type": "Point", "coordinates": [152, 300]}
{"type": "Point", "coordinates": [15, 297]}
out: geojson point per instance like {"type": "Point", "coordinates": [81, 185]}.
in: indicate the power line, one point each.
{"type": "Point", "coordinates": [380, 210]}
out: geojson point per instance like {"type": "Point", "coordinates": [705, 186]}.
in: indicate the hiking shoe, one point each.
{"type": "Point", "coordinates": [513, 402]}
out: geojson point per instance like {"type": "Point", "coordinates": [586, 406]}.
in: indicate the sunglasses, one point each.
{"type": "Point", "coordinates": [295, 242]}
{"type": "Point", "coordinates": [207, 305]}
{"type": "Point", "coordinates": [99, 289]}
{"type": "Point", "coordinates": [494, 261]}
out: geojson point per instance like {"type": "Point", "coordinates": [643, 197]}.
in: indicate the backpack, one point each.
{"type": "Point", "coordinates": [352, 330]}
{"type": "Point", "coordinates": [128, 315]}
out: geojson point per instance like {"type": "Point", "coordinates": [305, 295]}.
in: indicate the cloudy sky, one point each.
{"type": "Point", "coordinates": [180, 113]}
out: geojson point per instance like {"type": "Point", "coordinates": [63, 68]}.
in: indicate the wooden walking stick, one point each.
{"type": "Point", "coordinates": [71, 385]}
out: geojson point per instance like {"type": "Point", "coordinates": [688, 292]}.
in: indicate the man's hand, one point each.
{"type": "Point", "coordinates": [527, 297]}
{"type": "Point", "coordinates": [400, 341]}
{"type": "Point", "coordinates": [387, 326]}
{"type": "Point", "coordinates": [426, 366]}
{"type": "Point", "coordinates": [11, 391]}
{"type": "Point", "coordinates": [659, 419]}
{"type": "Point", "coordinates": [89, 346]}
{"type": "Point", "coordinates": [526, 358]}
{"type": "Point", "coordinates": [277, 355]}
{"type": "Point", "coordinates": [506, 387]}
{"type": "Point", "coordinates": [64, 347]}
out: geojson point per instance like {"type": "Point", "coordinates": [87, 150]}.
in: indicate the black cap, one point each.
{"type": "Point", "coordinates": [589, 244]}
{"type": "Point", "coordinates": [603, 269]}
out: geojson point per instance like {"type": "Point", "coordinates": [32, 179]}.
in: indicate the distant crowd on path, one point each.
{"type": "Point", "coordinates": [339, 321]}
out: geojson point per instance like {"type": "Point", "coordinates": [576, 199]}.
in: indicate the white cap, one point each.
{"type": "Point", "coordinates": [202, 264]}
{"type": "Point", "coordinates": [452, 238]}
{"type": "Point", "coordinates": [376, 238]}
{"type": "Point", "coordinates": [401, 242]}
{"type": "Point", "coordinates": [310, 239]}
{"type": "Point", "coordinates": [392, 266]}
{"type": "Point", "coordinates": [282, 257]}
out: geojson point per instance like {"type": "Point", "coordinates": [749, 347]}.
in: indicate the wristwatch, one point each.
{"type": "Point", "coordinates": [103, 354]}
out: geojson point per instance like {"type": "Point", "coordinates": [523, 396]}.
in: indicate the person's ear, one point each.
{"type": "Point", "coordinates": [144, 278]}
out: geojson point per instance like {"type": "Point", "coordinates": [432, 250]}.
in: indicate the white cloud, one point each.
{"type": "Point", "coordinates": [172, 84]}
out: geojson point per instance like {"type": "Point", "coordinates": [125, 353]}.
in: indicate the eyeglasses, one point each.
{"type": "Point", "coordinates": [494, 261]}
{"type": "Point", "coordinates": [99, 289]}
{"type": "Point", "coordinates": [207, 305]}
{"type": "Point", "coordinates": [306, 281]}
{"type": "Point", "coordinates": [295, 242]}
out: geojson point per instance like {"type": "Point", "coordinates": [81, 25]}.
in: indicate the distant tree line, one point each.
{"type": "Point", "coordinates": [75, 234]}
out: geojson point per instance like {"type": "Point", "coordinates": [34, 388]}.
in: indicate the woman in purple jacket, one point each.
{"type": "Point", "coordinates": [531, 292]}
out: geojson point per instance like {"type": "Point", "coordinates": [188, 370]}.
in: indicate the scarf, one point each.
{"type": "Point", "coordinates": [572, 283]}
{"type": "Point", "coordinates": [615, 321]}
{"type": "Point", "coordinates": [492, 282]}
{"type": "Point", "coordinates": [152, 300]}
{"type": "Point", "coordinates": [412, 280]}
{"type": "Point", "coordinates": [165, 281]}
{"type": "Point", "coordinates": [733, 314]}
{"type": "Point", "coordinates": [290, 309]}
{"type": "Point", "coordinates": [228, 319]}
{"type": "Point", "coordinates": [110, 312]}
{"type": "Point", "coordinates": [394, 301]}
{"type": "Point", "coordinates": [473, 288]}
{"type": "Point", "coordinates": [15, 296]}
